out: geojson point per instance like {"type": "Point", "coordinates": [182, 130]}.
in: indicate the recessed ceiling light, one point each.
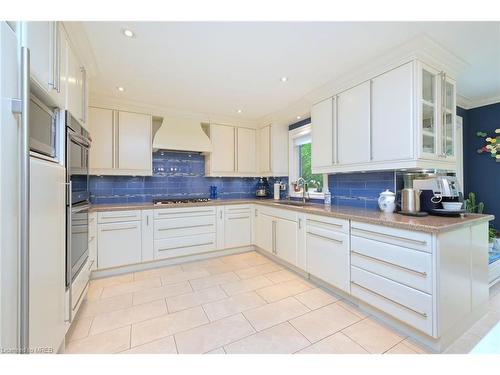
{"type": "Point", "coordinates": [284, 79]}
{"type": "Point", "coordinates": [128, 33]}
{"type": "Point", "coordinates": [120, 88]}
{"type": "Point", "coordinates": [239, 111]}
{"type": "Point", "coordinates": [298, 117]}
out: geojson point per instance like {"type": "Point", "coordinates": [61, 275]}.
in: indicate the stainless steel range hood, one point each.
{"type": "Point", "coordinates": [181, 134]}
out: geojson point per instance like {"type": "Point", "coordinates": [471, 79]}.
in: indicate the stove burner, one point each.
{"type": "Point", "coordinates": [179, 201]}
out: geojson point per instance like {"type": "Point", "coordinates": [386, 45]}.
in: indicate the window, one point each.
{"type": "Point", "coordinates": [300, 164]}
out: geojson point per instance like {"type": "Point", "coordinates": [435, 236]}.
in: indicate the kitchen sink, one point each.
{"type": "Point", "coordinates": [294, 203]}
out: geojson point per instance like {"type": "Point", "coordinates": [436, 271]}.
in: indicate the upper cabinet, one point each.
{"type": "Point", "coordinates": [233, 151]}
{"type": "Point", "coordinates": [272, 150]}
{"type": "Point", "coordinates": [402, 118]}
{"type": "Point", "coordinates": [121, 142]}
{"type": "Point", "coordinates": [58, 76]}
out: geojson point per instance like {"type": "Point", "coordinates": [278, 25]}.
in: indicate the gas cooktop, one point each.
{"type": "Point", "coordinates": [179, 201]}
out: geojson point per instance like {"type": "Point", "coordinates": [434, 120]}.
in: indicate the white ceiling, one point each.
{"type": "Point", "coordinates": [217, 68]}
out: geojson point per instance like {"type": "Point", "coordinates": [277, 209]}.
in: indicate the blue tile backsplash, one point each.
{"type": "Point", "coordinates": [175, 175]}
{"type": "Point", "coordinates": [360, 189]}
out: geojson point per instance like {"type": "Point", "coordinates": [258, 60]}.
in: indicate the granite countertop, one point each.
{"type": "Point", "coordinates": [429, 224]}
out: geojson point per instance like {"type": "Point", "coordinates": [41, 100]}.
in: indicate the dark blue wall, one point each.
{"type": "Point", "coordinates": [481, 171]}
{"type": "Point", "coordinates": [176, 175]}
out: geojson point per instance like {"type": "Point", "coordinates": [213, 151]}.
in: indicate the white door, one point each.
{"type": "Point", "coordinates": [246, 144]}
{"type": "Point", "coordinates": [134, 142]}
{"type": "Point", "coordinates": [264, 231]}
{"type": "Point", "coordinates": [353, 126]}
{"type": "Point", "coordinates": [102, 132]}
{"type": "Point", "coordinates": [9, 188]}
{"type": "Point", "coordinates": [118, 244]}
{"type": "Point", "coordinates": [39, 38]}
{"type": "Point", "coordinates": [238, 229]}
{"type": "Point", "coordinates": [328, 258]}
{"type": "Point", "coordinates": [392, 115]}
{"type": "Point", "coordinates": [286, 240]}
{"type": "Point", "coordinates": [265, 149]}
{"type": "Point", "coordinates": [322, 143]}
{"type": "Point", "coordinates": [47, 254]}
{"type": "Point", "coordinates": [223, 155]}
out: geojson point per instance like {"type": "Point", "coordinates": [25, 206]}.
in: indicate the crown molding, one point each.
{"type": "Point", "coordinates": [81, 45]}
{"type": "Point", "coordinates": [111, 102]}
{"type": "Point", "coordinates": [467, 103]}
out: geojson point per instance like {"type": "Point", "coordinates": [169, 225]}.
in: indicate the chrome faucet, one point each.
{"type": "Point", "coordinates": [303, 184]}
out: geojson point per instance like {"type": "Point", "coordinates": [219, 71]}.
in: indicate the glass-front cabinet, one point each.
{"type": "Point", "coordinates": [436, 114]}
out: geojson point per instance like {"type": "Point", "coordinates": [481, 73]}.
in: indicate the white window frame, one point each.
{"type": "Point", "coordinates": [293, 164]}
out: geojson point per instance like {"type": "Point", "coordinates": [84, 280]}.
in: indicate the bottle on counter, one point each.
{"type": "Point", "coordinates": [328, 198]}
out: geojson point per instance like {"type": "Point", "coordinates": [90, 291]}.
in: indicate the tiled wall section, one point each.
{"type": "Point", "coordinates": [175, 175]}
{"type": "Point", "coordinates": [360, 189]}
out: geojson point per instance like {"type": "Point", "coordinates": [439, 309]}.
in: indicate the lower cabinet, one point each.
{"type": "Point", "coordinates": [119, 243]}
{"type": "Point", "coordinates": [285, 243]}
{"type": "Point", "coordinates": [327, 251]}
{"type": "Point", "coordinates": [264, 228]}
{"type": "Point", "coordinates": [237, 226]}
{"type": "Point", "coordinates": [93, 240]}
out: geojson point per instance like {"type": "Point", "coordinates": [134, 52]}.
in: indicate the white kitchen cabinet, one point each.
{"type": "Point", "coordinates": [121, 142]}
{"type": "Point", "coordinates": [323, 149]}
{"type": "Point", "coordinates": [327, 251]}
{"type": "Point", "coordinates": [246, 150]}
{"type": "Point", "coordinates": [392, 115]}
{"type": "Point", "coordinates": [353, 125]}
{"type": "Point", "coordinates": [265, 149]}
{"type": "Point", "coordinates": [147, 235]}
{"type": "Point", "coordinates": [286, 232]}
{"type": "Point", "coordinates": [264, 228]}
{"type": "Point", "coordinates": [237, 226]}
{"type": "Point", "coordinates": [134, 153]}
{"type": "Point", "coordinates": [101, 128]}
{"type": "Point", "coordinates": [119, 243]}
{"type": "Point", "coordinates": [222, 159]}
{"type": "Point", "coordinates": [75, 86]}
{"type": "Point", "coordinates": [47, 254]}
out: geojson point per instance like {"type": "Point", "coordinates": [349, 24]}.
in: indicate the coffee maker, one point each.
{"type": "Point", "coordinates": [436, 189]}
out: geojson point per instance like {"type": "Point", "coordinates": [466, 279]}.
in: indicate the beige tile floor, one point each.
{"type": "Point", "coordinates": [242, 303]}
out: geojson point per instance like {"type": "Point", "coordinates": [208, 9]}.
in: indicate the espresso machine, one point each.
{"type": "Point", "coordinates": [440, 194]}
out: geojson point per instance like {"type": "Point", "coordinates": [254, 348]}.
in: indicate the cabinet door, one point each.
{"type": "Point", "coordinates": [264, 232]}
{"type": "Point", "coordinates": [134, 142]}
{"type": "Point", "coordinates": [238, 229]}
{"type": "Point", "coordinates": [449, 119]}
{"type": "Point", "coordinates": [39, 38]}
{"type": "Point", "coordinates": [392, 115]}
{"type": "Point", "coordinates": [322, 143]}
{"type": "Point", "coordinates": [119, 244]}
{"type": "Point", "coordinates": [223, 155]}
{"type": "Point", "coordinates": [246, 143]}
{"type": "Point", "coordinates": [286, 240]}
{"type": "Point", "coordinates": [102, 132]}
{"type": "Point", "coordinates": [428, 112]}
{"type": "Point", "coordinates": [74, 86]}
{"type": "Point", "coordinates": [265, 149]}
{"type": "Point", "coordinates": [354, 125]}
{"type": "Point", "coordinates": [328, 258]}
{"type": "Point", "coordinates": [147, 253]}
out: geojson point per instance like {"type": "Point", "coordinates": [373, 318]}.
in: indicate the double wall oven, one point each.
{"type": "Point", "coordinates": [77, 198]}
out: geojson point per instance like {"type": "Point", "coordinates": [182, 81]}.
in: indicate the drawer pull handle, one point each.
{"type": "Point", "coordinates": [238, 217]}
{"type": "Point", "coordinates": [411, 240]}
{"type": "Point", "coordinates": [122, 228]}
{"type": "Point", "coordinates": [118, 217]}
{"type": "Point", "coordinates": [186, 227]}
{"type": "Point", "coordinates": [325, 237]}
{"type": "Point", "coordinates": [326, 224]}
{"type": "Point", "coordinates": [422, 314]}
{"type": "Point", "coordinates": [182, 247]}
{"type": "Point", "coordinates": [421, 273]}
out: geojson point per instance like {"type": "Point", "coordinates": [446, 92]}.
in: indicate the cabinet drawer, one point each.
{"type": "Point", "coordinates": [276, 212]}
{"type": "Point", "coordinates": [327, 223]}
{"type": "Point", "coordinates": [118, 244]}
{"type": "Point", "coordinates": [400, 237]}
{"type": "Point", "coordinates": [80, 283]}
{"type": "Point", "coordinates": [406, 266]}
{"type": "Point", "coordinates": [167, 228]}
{"type": "Point", "coordinates": [118, 216]}
{"type": "Point", "coordinates": [237, 209]}
{"type": "Point", "coordinates": [406, 304]}
{"type": "Point", "coordinates": [182, 246]}
{"type": "Point", "coordinates": [183, 212]}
